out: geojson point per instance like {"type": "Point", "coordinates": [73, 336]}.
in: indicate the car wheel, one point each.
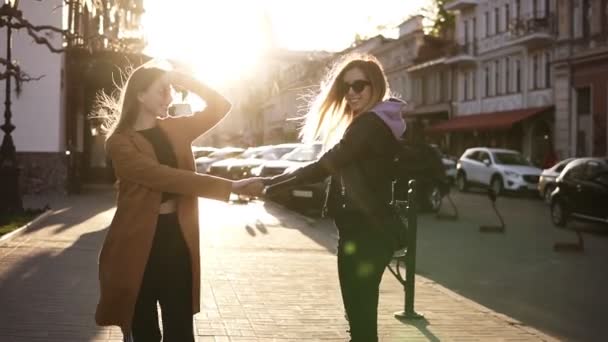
{"type": "Point", "coordinates": [434, 199]}
{"type": "Point", "coordinates": [496, 185]}
{"type": "Point", "coordinates": [461, 182]}
{"type": "Point", "coordinates": [559, 215]}
{"type": "Point", "coordinates": [547, 194]}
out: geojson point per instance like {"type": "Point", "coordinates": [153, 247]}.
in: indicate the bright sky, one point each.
{"type": "Point", "coordinates": [224, 39]}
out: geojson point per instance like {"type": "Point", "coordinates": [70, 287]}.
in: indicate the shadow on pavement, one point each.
{"type": "Point", "coordinates": [64, 216]}
{"type": "Point", "coordinates": [517, 273]}
{"type": "Point", "coordinates": [422, 326]}
{"type": "Point", "coordinates": [48, 279]}
{"type": "Point", "coordinates": [50, 296]}
{"type": "Point", "coordinates": [324, 235]}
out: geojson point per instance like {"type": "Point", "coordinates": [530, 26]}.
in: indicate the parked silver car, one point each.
{"type": "Point", "coordinates": [203, 163]}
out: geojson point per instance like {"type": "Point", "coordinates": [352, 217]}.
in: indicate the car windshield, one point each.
{"type": "Point", "coordinates": [510, 158]}
{"type": "Point", "coordinates": [225, 154]}
{"type": "Point", "coordinates": [304, 154]}
{"type": "Point", "coordinates": [275, 153]}
{"type": "Point", "coordinates": [559, 167]}
{"type": "Point", "coordinates": [252, 153]}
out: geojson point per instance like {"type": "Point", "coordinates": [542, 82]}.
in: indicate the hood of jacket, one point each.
{"type": "Point", "coordinates": [390, 112]}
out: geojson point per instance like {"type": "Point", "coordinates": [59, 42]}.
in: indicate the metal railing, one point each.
{"type": "Point", "coordinates": [469, 48]}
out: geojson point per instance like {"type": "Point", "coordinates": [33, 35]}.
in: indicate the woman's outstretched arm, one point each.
{"type": "Point", "coordinates": [130, 164]}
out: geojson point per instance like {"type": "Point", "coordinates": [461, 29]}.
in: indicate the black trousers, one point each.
{"type": "Point", "coordinates": [363, 254]}
{"type": "Point", "coordinates": [168, 281]}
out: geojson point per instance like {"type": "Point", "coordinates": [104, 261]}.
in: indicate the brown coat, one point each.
{"type": "Point", "coordinates": [142, 180]}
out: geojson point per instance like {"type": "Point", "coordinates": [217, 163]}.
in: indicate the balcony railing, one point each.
{"type": "Point", "coordinates": [533, 24]}
{"type": "Point", "coordinates": [461, 53]}
{"type": "Point", "coordinates": [462, 49]}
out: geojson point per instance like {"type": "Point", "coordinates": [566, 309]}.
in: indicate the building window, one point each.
{"type": "Point", "coordinates": [507, 16]}
{"type": "Point", "coordinates": [534, 8]}
{"type": "Point", "coordinates": [487, 20]}
{"type": "Point", "coordinates": [497, 77]}
{"type": "Point", "coordinates": [486, 88]}
{"type": "Point", "coordinates": [547, 70]}
{"type": "Point", "coordinates": [584, 125]}
{"type": "Point", "coordinates": [474, 29]}
{"type": "Point", "coordinates": [517, 9]}
{"type": "Point", "coordinates": [518, 76]}
{"type": "Point", "coordinates": [605, 16]}
{"type": "Point", "coordinates": [535, 72]}
{"type": "Point", "coordinates": [467, 85]}
{"type": "Point", "coordinates": [473, 84]}
{"type": "Point", "coordinates": [466, 32]}
{"type": "Point", "coordinates": [424, 97]}
{"type": "Point", "coordinates": [586, 18]}
{"type": "Point", "coordinates": [496, 20]}
{"type": "Point", "coordinates": [507, 75]}
{"type": "Point", "coordinates": [583, 101]}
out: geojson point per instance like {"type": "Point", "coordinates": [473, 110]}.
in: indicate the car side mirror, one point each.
{"type": "Point", "coordinates": [486, 162]}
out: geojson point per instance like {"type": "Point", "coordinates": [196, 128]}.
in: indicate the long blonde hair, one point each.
{"type": "Point", "coordinates": [329, 114]}
{"type": "Point", "coordinates": [120, 112]}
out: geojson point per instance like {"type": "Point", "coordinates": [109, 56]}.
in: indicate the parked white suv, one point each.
{"type": "Point", "coordinates": [497, 168]}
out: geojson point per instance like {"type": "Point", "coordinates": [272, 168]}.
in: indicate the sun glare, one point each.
{"type": "Point", "coordinates": [222, 41]}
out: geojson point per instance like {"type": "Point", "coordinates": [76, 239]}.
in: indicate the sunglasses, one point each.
{"type": "Point", "coordinates": [357, 86]}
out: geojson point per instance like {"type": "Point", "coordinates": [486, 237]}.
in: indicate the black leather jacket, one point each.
{"type": "Point", "coordinates": [362, 169]}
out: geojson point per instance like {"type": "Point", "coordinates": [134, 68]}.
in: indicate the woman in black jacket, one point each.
{"type": "Point", "coordinates": [354, 115]}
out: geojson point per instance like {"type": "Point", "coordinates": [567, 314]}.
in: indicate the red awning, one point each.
{"type": "Point", "coordinates": [486, 121]}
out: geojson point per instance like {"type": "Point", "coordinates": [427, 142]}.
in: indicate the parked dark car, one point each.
{"type": "Point", "coordinates": [424, 163]}
{"type": "Point", "coordinates": [241, 166]}
{"type": "Point", "coordinates": [546, 182]}
{"type": "Point", "coordinates": [581, 192]}
{"type": "Point", "coordinates": [449, 163]}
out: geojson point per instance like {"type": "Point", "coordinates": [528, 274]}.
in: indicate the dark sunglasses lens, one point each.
{"type": "Point", "coordinates": [358, 86]}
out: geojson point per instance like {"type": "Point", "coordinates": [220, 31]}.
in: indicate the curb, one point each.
{"type": "Point", "coordinates": [509, 320]}
{"type": "Point", "coordinates": [19, 230]}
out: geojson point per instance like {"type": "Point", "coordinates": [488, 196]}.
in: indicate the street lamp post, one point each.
{"type": "Point", "coordinates": [10, 197]}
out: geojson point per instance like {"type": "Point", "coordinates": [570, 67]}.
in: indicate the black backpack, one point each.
{"type": "Point", "coordinates": [419, 162]}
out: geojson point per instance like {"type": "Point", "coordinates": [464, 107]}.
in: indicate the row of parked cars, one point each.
{"type": "Point", "coordinates": [575, 188]}
{"type": "Point", "coordinates": [267, 161]}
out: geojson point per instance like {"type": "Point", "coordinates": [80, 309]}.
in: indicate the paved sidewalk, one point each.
{"type": "Point", "coordinates": [268, 275]}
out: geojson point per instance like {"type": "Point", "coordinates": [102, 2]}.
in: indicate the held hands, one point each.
{"type": "Point", "coordinates": [253, 187]}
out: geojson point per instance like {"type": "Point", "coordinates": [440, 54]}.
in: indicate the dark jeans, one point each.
{"type": "Point", "coordinates": [363, 254]}
{"type": "Point", "coordinates": [168, 281]}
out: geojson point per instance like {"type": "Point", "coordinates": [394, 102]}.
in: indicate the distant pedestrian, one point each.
{"type": "Point", "coordinates": [151, 251]}
{"type": "Point", "coordinates": [353, 115]}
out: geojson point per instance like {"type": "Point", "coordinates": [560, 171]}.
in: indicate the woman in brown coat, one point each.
{"type": "Point", "coordinates": [151, 250]}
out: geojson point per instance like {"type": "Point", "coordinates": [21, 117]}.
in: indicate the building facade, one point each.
{"type": "Point", "coordinates": [57, 142]}
{"type": "Point", "coordinates": [581, 78]}
{"type": "Point", "coordinates": [501, 62]}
